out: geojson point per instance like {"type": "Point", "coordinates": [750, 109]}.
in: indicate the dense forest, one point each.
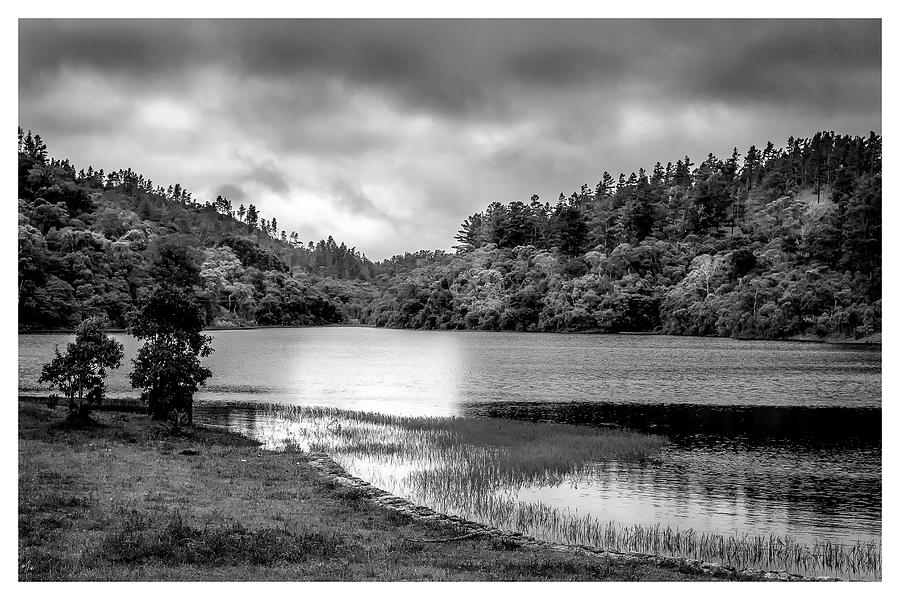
{"type": "Point", "coordinates": [90, 243]}
{"type": "Point", "coordinates": [770, 243]}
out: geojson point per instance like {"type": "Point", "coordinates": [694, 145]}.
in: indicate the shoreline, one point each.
{"type": "Point", "coordinates": [268, 516]}
{"type": "Point", "coordinates": [331, 468]}
{"type": "Point", "coordinates": [870, 340]}
{"type": "Point", "coordinates": [338, 477]}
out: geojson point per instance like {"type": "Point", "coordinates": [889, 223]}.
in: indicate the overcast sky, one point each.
{"type": "Point", "coordinates": [387, 134]}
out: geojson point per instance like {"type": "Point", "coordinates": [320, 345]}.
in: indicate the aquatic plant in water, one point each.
{"type": "Point", "coordinates": [475, 467]}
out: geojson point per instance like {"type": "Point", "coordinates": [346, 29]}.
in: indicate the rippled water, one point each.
{"type": "Point", "coordinates": [780, 437]}
{"type": "Point", "coordinates": [441, 372]}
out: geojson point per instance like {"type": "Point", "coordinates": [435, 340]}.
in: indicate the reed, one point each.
{"type": "Point", "coordinates": [475, 468]}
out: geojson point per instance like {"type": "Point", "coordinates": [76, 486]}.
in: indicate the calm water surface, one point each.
{"type": "Point", "coordinates": [780, 437]}
{"type": "Point", "coordinates": [442, 373]}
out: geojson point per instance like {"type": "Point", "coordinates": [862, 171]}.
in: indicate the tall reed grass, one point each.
{"type": "Point", "coordinates": [476, 467]}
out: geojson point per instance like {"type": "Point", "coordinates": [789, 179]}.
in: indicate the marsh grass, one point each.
{"type": "Point", "coordinates": [769, 552]}
{"type": "Point", "coordinates": [475, 467]}
{"type": "Point", "coordinates": [493, 451]}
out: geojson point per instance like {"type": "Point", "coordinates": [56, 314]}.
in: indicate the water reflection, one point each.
{"type": "Point", "coordinates": [440, 372]}
{"type": "Point", "coordinates": [718, 426]}
{"type": "Point", "coordinates": [401, 373]}
{"type": "Point", "coordinates": [756, 491]}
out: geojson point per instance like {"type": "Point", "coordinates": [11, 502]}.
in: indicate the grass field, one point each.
{"type": "Point", "coordinates": [125, 498]}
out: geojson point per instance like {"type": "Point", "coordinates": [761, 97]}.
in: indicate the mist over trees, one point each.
{"type": "Point", "coordinates": [766, 243]}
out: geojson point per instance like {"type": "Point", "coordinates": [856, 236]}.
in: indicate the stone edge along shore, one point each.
{"type": "Point", "coordinates": [335, 473]}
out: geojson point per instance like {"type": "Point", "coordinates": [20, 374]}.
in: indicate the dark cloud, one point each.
{"type": "Point", "coordinates": [567, 65]}
{"type": "Point", "coordinates": [807, 63]}
{"type": "Point", "coordinates": [270, 177]}
{"type": "Point", "coordinates": [233, 192]}
{"type": "Point", "coordinates": [132, 48]}
{"type": "Point", "coordinates": [350, 196]}
{"type": "Point", "coordinates": [370, 129]}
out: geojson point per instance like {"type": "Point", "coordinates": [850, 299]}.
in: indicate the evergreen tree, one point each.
{"type": "Point", "coordinates": [222, 206]}
{"type": "Point", "coordinates": [252, 217]}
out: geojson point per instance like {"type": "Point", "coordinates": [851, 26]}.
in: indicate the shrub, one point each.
{"type": "Point", "coordinates": [80, 372]}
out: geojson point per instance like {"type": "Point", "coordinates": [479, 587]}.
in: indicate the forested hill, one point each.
{"type": "Point", "coordinates": [769, 243]}
{"type": "Point", "coordinates": [91, 242]}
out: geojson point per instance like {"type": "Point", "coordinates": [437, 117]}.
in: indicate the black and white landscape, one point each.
{"type": "Point", "coordinates": [293, 295]}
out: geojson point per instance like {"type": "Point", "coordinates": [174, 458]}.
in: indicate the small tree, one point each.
{"type": "Point", "coordinates": [79, 373]}
{"type": "Point", "coordinates": [167, 366]}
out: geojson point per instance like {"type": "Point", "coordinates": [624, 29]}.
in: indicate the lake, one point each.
{"type": "Point", "coordinates": [779, 438]}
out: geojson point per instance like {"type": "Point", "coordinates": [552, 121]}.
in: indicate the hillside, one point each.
{"type": "Point", "coordinates": [90, 243]}
{"type": "Point", "coordinates": [780, 242]}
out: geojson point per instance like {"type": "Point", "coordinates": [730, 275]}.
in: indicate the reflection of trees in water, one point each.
{"type": "Point", "coordinates": [754, 486]}
{"type": "Point", "coordinates": [819, 467]}
{"type": "Point", "coordinates": [717, 427]}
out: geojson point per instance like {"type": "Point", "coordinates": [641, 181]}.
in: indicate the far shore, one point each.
{"type": "Point", "coordinates": [870, 340]}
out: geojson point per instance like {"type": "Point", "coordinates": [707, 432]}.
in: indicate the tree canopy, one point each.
{"type": "Point", "coordinates": [167, 366]}
{"type": "Point", "coordinates": [769, 242]}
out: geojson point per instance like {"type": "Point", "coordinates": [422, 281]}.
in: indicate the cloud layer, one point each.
{"type": "Point", "coordinates": [387, 134]}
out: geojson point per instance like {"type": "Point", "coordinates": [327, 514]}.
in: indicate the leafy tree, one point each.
{"type": "Point", "coordinates": [79, 373]}
{"type": "Point", "coordinates": [75, 198]}
{"type": "Point", "coordinates": [173, 264]}
{"type": "Point", "coordinates": [168, 366]}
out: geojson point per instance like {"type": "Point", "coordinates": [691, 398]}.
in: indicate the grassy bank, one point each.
{"type": "Point", "coordinates": [123, 498]}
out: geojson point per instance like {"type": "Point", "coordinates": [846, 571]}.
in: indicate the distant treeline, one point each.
{"type": "Point", "coordinates": [767, 244]}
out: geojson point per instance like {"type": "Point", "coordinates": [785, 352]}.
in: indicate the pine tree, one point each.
{"type": "Point", "coordinates": [252, 217]}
